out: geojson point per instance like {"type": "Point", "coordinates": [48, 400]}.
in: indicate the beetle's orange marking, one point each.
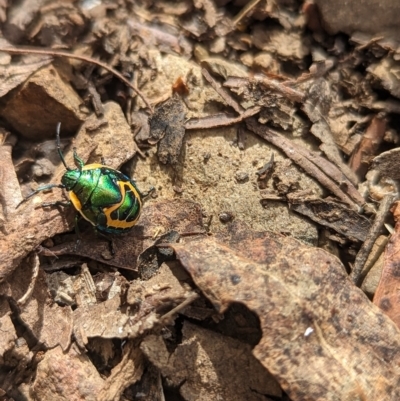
{"type": "Point", "coordinates": [75, 201]}
{"type": "Point", "coordinates": [122, 223]}
{"type": "Point", "coordinates": [94, 166]}
{"type": "Point", "coordinates": [77, 205]}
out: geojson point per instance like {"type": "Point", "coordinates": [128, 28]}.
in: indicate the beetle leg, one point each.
{"type": "Point", "coordinates": [112, 247]}
{"type": "Point", "coordinates": [109, 239]}
{"type": "Point", "coordinates": [78, 161]}
{"type": "Point", "coordinates": [77, 232]}
{"type": "Point", "coordinates": [60, 153]}
{"type": "Point", "coordinates": [56, 203]}
{"type": "Point", "coordinates": [40, 189]}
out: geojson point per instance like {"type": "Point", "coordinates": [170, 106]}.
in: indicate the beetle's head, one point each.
{"type": "Point", "coordinates": [70, 178]}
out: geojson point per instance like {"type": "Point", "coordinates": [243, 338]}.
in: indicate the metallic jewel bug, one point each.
{"type": "Point", "coordinates": [103, 196]}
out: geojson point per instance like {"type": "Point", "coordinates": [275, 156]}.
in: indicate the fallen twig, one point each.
{"type": "Point", "coordinates": [373, 234]}
{"type": "Point", "coordinates": [368, 147]}
{"type": "Point", "coordinates": [244, 11]}
{"type": "Point", "coordinates": [220, 120]}
{"type": "Point", "coordinates": [222, 92]}
{"type": "Point", "coordinates": [90, 60]}
{"type": "Point", "coordinates": [165, 319]}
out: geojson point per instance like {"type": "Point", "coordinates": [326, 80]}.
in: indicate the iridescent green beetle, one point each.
{"type": "Point", "coordinates": [105, 197]}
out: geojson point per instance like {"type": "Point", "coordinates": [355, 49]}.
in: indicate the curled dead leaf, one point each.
{"type": "Point", "coordinates": [319, 330]}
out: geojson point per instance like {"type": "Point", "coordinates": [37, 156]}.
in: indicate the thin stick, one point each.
{"type": "Point", "coordinates": [58, 53]}
{"type": "Point", "coordinates": [178, 308]}
{"type": "Point", "coordinates": [373, 234]}
{"type": "Point", "coordinates": [222, 92]}
{"type": "Point", "coordinates": [244, 11]}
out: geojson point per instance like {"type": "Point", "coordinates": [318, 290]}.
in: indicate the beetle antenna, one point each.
{"type": "Point", "coordinates": [59, 147]}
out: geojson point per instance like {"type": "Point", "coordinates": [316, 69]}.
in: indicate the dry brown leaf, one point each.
{"type": "Point", "coordinates": [19, 17]}
{"type": "Point", "coordinates": [154, 36]}
{"type": "Point", "coordinates": [213, 378]}
{"type": "Point", "coordinates": [210, 11]}
{"type": "Point", "coordinates": [387, 70]}
{"type": "Point", "coordinates": [126, 373]}
{"type": "Point", "coordinates": [387, 293]}
{"type": "Point", "coordinates": [274, 39]}
{"type": "Point", "coordinates": [319, 330]}
{"type": "Point", "coordinates": [225, 68]}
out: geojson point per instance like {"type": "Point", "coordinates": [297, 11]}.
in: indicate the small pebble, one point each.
{"type": "Point", "coordinates": [177, 189]}
{"type": "Point", "coordinates": [206, 157]}
{"type": "Point", "coordinates": [226, 217]}
{"type": "Point", "coordinates": [241, 176]}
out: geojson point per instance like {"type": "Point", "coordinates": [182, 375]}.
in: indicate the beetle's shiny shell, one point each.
{"type": "Point", "coordinates": [104, 197]}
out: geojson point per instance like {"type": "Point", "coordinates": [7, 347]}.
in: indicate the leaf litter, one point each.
{"type": "Point", "coordinates": [278, 280]}
{"type": "Point", "coordinates": [222, 290]}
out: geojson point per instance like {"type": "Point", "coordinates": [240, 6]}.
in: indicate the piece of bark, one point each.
{"type": "Point", "coordinates": [167, 122]}
{"type": "Point", "coordinates": [340, 218]}
{"type": "Point", "coordinates": [10, 194]}
{"type": "Point", "coordinates": [13, 75]}
{"type": "Point", "coordinates": [372, 272]}
{"type": "Point", "coordinates": [45, 99]}
{"type": "Point", "coordinates": [350, 17]}
{"type": "Point", "coordinates": [66, 376]}
{"type": "Point", "coordinates": [9, 336]}
{"type": "Point", "coordinates": [367, 148]}
{"type": "Point", "coordinates": [387, 164]}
